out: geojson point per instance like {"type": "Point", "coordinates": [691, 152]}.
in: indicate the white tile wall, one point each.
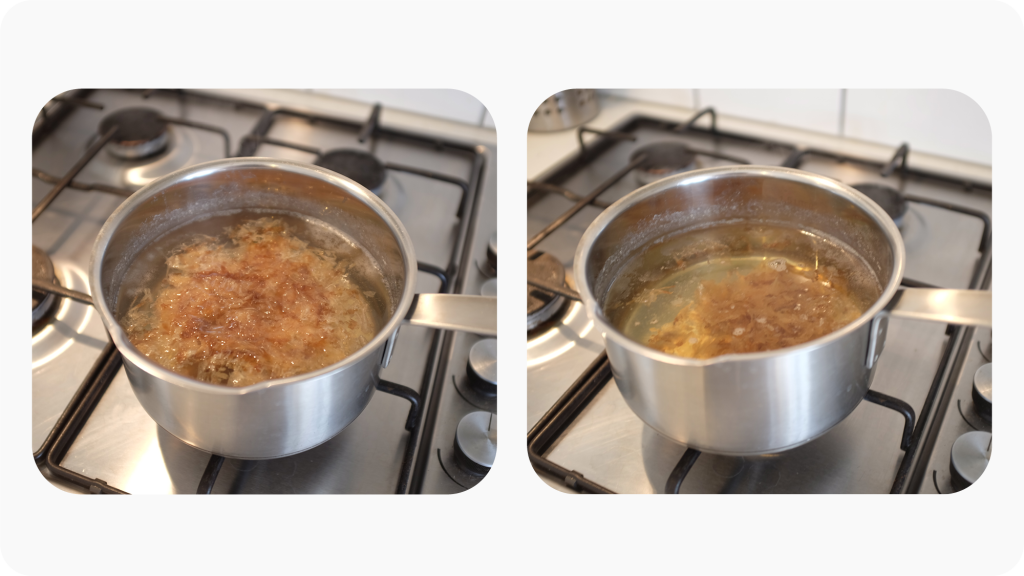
{"type": "Point", "coordinates": [448, 104]}
{"type": "Point", "coordinates": [815, 110]}
{"type": "Point", "coordinates": [683, 98]}
{"type": "Point", "coordinates": [942, 122]}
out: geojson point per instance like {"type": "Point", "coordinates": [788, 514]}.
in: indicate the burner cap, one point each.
{"type": "Point", "coordinates": [141, 132]}
{"type": "Point", "coordinates": [541, 305]}
{"type": "Point", "coordinates": [887, 197]}
{"type": "Point", "coordinates": [42, 269]}
{"type": "Point", "coordinates": [360, 166]}
{"type": "Point", "coordinates": [663, 159]}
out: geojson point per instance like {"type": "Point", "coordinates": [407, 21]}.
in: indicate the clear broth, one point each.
{"type": "Point", "coordinates": [739, 287]}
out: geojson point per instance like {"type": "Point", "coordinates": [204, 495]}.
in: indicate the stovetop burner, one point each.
{"type": "Point", "coordinates": [663, 159]}
{"type": "Point", "coordinates": [894, 204]}
{"type": "Point", "coordinates": [360, 166]}
{"type": "Point", "coordinates": [141, 133]}
{"type": "Point", "coordinates": [42, 270]}
{"type": "Point", "coordinates": [542, 306]}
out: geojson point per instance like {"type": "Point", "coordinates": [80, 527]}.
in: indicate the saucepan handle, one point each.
{"type": "Point", "coordinates": [465, 313]}
{"type": "Point", "coordinates": [963, 307]}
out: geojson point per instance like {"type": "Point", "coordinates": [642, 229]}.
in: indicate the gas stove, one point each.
{"type": "Point", "coordinates": [924, 427]}
{"type": "Point", "coordinates": [433, 428]}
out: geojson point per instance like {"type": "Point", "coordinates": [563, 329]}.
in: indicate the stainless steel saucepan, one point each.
{"type": "Point", "coordinates": [761, 402]}
{"type": "Point", "coordinates": [288, 415]}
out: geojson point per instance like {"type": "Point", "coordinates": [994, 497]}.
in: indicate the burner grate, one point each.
{"type": "Point", "coordinates": [361, 166]}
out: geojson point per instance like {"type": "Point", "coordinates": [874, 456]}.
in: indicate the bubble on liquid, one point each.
{"type": "Point", "coordinates": [777, 264]}
{"type": "Point", "coordinates": [762, 320]}
{"type": "Point", "coordinates": [738, 332]}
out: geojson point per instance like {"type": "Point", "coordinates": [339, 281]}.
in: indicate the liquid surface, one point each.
{"type": "Point", "coordinates": [251, 304]}
{"type": "Point", "coordinates": [738, 288]}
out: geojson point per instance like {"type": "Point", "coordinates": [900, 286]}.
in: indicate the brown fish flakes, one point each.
{"type": "Point", "coordinates": [258, 305]}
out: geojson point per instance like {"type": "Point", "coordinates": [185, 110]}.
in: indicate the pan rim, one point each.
{"type": "Point", "coordinates": [593, 232]}
{"type": "Point", "coordinates": [120, 338]}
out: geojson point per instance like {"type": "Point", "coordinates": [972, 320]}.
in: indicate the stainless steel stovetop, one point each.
{"type": "Point", "coordinates": [90, 433]}
{"type": "Point", "coordinates": [585, 438]}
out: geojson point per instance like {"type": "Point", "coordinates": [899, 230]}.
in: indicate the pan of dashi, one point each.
{"type": "Point", "coordinates": [255, 301]}
{"type": "Point", "coordinates": [744, 308]}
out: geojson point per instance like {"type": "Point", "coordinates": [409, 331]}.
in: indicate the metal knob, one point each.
{"type": "Point", "coordinates": [476, 441]}
{"type": "Point", "coordinates": [969, 458]}
{"type": "Point", "coordinates": [482, 368]}
{"type": "Point", "coordinates": [982, 392]}
{"type": "Point", "coordinates": [489, 288]}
